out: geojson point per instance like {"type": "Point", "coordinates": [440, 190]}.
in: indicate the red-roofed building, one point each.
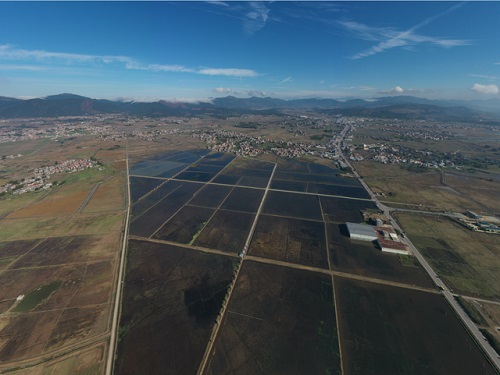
{"type": "Point", "coordinates": [388, 241]}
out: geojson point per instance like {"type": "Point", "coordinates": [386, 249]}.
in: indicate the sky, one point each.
{"type": "Point", "coordinates": [190, 50]}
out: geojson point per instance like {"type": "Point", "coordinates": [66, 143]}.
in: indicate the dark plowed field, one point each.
{"type": "Point", "coordinates": [211, 196]}
{"type": "Point", "coordinates": [303, 206]}
{"type": "Point", "coordinates": [227, 231]}
{"type": "Point", "coordinates": [184, 226]}
{"type": "Point", "coordinates": [387, 330]}
{"type": "Point", "coordinates": [139, 186]}
{"type": "Point", "coordinates": [279, 321]}
{"type": "Point", "coordinates": [341, 210]}
{"type": "Point", "coordinates": [169, 308]}
{"type": "Point", "coordinates": [291, 240]}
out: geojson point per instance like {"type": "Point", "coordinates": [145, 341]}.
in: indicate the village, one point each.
{"type": "Point", "coordinates": [41, 176]}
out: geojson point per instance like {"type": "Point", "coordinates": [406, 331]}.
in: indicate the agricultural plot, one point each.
{"type": "Point", "coordinates": [303, 206]}
{"type": "Point", "coordinates": [289, 185]}
{"type": "Point", "coordinates": [242, 199]}
{"type": "Point", "coordinates": [291, 240]}
{"type": "Point", "coordinates": [62, 250]}
{"type": "Point", "coordinates": [218, 159]}
{"type": "Point", "coordinates": [185, 225]}
{"type": "Point", "coordinates": [246, 172]}
{"type": "Point", "coordinates": [147, 224]}
{"type": "Point", "coordinates": [57, 203]}
{"type": "Point", "coordinates": [211, 196]}
{"type": "Point", "coordinates": [226, 179]}
{"type": "Point", "coordinates": [167, 165]}
{"type": "Point", "coordinates": [12, 250]}
{"type": "Point", "coordinates": [156, 168]}
{"type": "Point", "coordinates": [62, 305]}
{"type": "Point", "coordinates": [140, 186]}
{"type": "Point", "coordinates": [343, 191]}
{"type": "Point", "coordinates": [279, 321]}
{"type": "Point", "coordinates": [195, 176]}
{"type": "Point", "coordinates": [226, 231]}
{"type": "Point", "coordinates": [388, 330]}
{"type": "Point", "coordinates": [169, 308]}
{"type": "Point", "coordinates": [467, 261]}
{"type": "Point", "coordinates": [204, 168]}
{"type": "Point", "coordinates": [251, 181]}
{"type": "Point", "coordinates": [363, 258]}
{"type": "Point", "coordinates": [154, 198]}
{"type": "Point", "coordinates": [341, 210]}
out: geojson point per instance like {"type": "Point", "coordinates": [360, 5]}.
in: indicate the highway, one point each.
{"type": "Point", "coordinates": [450, 298]}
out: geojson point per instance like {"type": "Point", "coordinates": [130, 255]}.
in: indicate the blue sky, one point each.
{"type": "Point", "coordinates": [198, 50]}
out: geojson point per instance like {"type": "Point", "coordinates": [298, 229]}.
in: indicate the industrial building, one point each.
{"type": "Point", "coordinates": [384, 236]}
{"type": "Point", "coordinates": [363, 232]}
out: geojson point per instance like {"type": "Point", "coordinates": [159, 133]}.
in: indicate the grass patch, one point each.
{"type": "Point", "coordinates": [37, 296]}
{"type": "Point", "coordinates": [469, 262]}
{"type": "Point", "coordinates": [408, 261]}
{"type": "Point", "coordinates": [202, 226]}
{"type": "Point", "coordinates": [495, 344]}
{"type": "Point", "coordinates": [471, 310]}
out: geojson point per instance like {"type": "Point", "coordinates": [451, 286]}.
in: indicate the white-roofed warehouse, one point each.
{"type": "Point", "coordinates": [362, 232]}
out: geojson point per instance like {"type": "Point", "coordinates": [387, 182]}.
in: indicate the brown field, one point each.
{"type": "Point", "coordinates": [419, 189]}
{"type": "Point", "coordinates": [469, 262]}
{"type": "Point", "coordinates": [74, 251]}
{"type": "Point", "coordinates": [30, 228]}
{"type": "Point", "coordinates": [62, 205]}
{"type": "Point", "coordinates": [81, 307]}
{"type": "Point", "coordinates": [109, 196]}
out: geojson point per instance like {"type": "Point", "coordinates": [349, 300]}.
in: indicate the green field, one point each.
{"type": "Point", "coordinates": [37, 296]}
{"type": "Point", "coordinates": [469, 262]}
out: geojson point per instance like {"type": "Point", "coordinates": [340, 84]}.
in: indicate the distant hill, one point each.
{"type": "Point", "coordinates": [386, 107]}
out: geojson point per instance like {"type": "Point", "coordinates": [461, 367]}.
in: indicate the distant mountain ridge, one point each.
{"type": "Point", "coordinates": [390, 107]}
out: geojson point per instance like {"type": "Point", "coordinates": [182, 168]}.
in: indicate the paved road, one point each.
{"type": "Point", "coordinates": [119, 283]}
{"type": "Point", "coordinates": [473, 330]}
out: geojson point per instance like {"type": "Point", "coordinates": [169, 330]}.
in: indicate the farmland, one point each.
{"type": "Point", "coordinates": [169, 325]}
{"type": "Point", "coordinates": [246, 267]}
{"type": "Point", "coordinates": [387, 330]}
{"type": "Point", "coordinates": [467, 261]}
{"type": "Point", "coordinates": [235, 264]}
{"type": "Point", "coordinates": [57, 262]}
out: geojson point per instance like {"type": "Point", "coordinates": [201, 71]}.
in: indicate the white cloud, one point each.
{"type": "Point", "coordinates": [287, 79]}
{"type": "Point", "coordinates": [256, 18]}
{"type": "Point", "coordinates": [227, 90]}
{"type": "Point", "coordinates": [493, 78]}
{"type": "Point", "coordinates": [258, 93]}
{"type": "Point", "coordinates": [231, 72]}
{"type": "Point", "coordinates": [222, 90]}
{"type": "Point", "coordinates": [394, 90]}
{"type": "Point", "coordinates": [219, 3]}
{"type": "Point", "coordinates": [33, 68]}
{"type": "Point", "coordinates": [7, 52]}
{"type": "Point", "coordinates": [389, 38]}
{"type": "Point", "coordinates": [485, 89]}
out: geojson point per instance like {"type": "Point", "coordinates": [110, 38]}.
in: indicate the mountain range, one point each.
{"type": "Point", "coordinates": [408, 107]}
